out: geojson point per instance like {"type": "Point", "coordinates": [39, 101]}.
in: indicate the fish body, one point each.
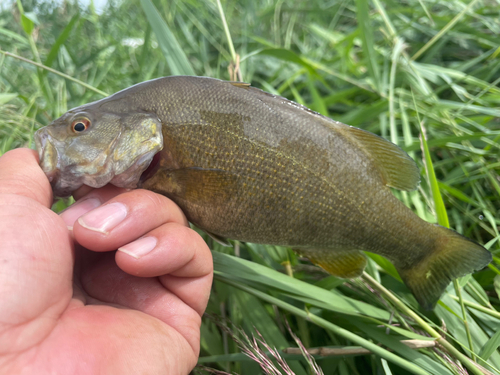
{"type": "Point", "coordinates": [247, 165]}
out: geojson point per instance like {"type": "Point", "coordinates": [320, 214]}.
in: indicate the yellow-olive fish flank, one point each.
{"type": "Point", "coordinates": [247, 165]}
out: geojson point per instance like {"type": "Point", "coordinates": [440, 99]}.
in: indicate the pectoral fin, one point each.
{"type": "Point", "coordinates": [346, 264]}
{"type": "Point", "coordinates": [194, 185]}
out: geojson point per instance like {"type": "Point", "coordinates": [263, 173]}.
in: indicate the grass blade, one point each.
{"type": "Point", "coordinates": [364, 22]}
{"type": "Point", "coordinates": [490, 347]}
{"type": "Point", "coordinates": [234, 268]}
{"type": "Point", "coordinates": [226, 31]}
{"type": "Point", "coordinates": [7, 97]}
{"type": "Point", "coordinates": [55, 72]}
{"type": "Point", "coordinates": [444, 30]}
{"type": "Point", "coordinates": [409, 366]}
{"type": "Point", "coordinates": [175, 56]}
{"type": "Point", "coordinates": [60, 40]}
{"type": "Point", "coordinates": [442, 220]}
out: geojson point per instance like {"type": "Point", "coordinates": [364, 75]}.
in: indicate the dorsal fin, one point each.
{"type": "Point", "coordinates": [243, 85]}
{"type": "Point", "coordinates": [397, 168]}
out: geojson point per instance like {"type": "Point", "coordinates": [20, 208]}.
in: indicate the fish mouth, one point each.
{"type": "Point", "coordinates": [47, 153]}
{"type": "Point", "coordinates": [49, 159]}
{"type": "Point", "coordinates": [151, 169]}
{"type": "Point", "coordinates": [50, 163]}
{"type": "Point", "coordinates": [66, 174]}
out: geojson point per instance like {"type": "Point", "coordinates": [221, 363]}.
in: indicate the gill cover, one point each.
{"type": "Point", "coordinates": [115, 148]}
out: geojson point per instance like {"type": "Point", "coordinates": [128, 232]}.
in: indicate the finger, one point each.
{"type": "Point", "coordinates": [105, 282]}
{"type": "Point", "coordinates": [170, 249]}
{"type": "Point", "coordinates": [193, 291]}
{"type": "Point", "coordinates": [124, 219]}
{"type": "Point", "coordinates": [20, 174]}
{"type": "Point", "coordinates": [86, 203]}
{"type": "Point", "coordinates": [179, 256]}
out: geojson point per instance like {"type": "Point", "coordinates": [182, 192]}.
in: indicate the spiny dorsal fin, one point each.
{"type": "Point", "coordinates": [243, 85]}
{"type": "Point", "coordinates": [398, 169]}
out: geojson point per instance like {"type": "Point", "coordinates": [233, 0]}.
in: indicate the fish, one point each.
{"type": "Point", "coordinates": [247, 165]}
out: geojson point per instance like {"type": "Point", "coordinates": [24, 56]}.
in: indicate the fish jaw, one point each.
{"type": "Point", "coordinates": [67, 164]}
{"type": "Point", "coordinates": [51, 164]}
{"type": "Point", "coordinates": [47, 154]}
{"type": "Point", "coordinates": [65, 174]}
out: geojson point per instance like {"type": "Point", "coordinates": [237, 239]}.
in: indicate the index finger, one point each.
{"type": "Point", "coordinates": [125, 218]}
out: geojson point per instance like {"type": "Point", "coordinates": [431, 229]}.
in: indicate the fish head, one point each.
{"type": "Point", "coordinates": [92, 146]}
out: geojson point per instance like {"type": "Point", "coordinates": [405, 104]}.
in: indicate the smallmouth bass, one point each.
{"type": "Point", "coordinates": [247, 165]}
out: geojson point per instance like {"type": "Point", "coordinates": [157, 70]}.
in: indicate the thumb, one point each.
{"type": "Point", "coordinates": [20, 174]}
{"type": "Point", "coordinates": [36, 260]}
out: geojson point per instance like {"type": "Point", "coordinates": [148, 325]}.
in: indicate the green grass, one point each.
{"type": "Point", "coordinates": [390, 67]}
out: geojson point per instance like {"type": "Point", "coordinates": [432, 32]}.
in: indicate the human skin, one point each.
{"type": "Point", "coordinates": [71, 304]}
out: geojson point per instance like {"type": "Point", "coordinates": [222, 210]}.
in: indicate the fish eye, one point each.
{"type": "Point", "coordinates": [80, 125]}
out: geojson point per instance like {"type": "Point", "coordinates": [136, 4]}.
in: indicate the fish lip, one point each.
{"type": "Point", "coordinates": [48, 159]}
{"type": "Point", "coordinates": [40, 142]}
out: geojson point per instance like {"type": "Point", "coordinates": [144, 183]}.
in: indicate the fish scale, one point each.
{"type": "Point", "coordinates": [230, 134]}
{"type": "Point", "coordinates": [247, 165]}
{"type": "Point", "coordinates": [194, 137]}
{"type": "Point", "coordinates": [251, 170]}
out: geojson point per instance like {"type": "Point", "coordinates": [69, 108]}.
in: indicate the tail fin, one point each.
{"type": "Point", "coordinates": [453, 257]}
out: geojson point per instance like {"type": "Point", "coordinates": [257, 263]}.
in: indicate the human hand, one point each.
{"type": "Point", "coordinates": [71, 305]}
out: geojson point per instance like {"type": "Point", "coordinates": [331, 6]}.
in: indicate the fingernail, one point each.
{"type": "Point", "coordinates": [104, 218]}
{"type": "Point", "coordinates": [73, 212]}
{"type": "Point", "coordinates": [140, 247]}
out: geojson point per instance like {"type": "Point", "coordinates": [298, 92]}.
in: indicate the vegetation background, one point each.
{"type": "Point", "coordinates": [396, 68]}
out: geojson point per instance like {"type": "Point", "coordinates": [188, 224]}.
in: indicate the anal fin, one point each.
{"type": "Point", "coordinates": [346, 264]}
